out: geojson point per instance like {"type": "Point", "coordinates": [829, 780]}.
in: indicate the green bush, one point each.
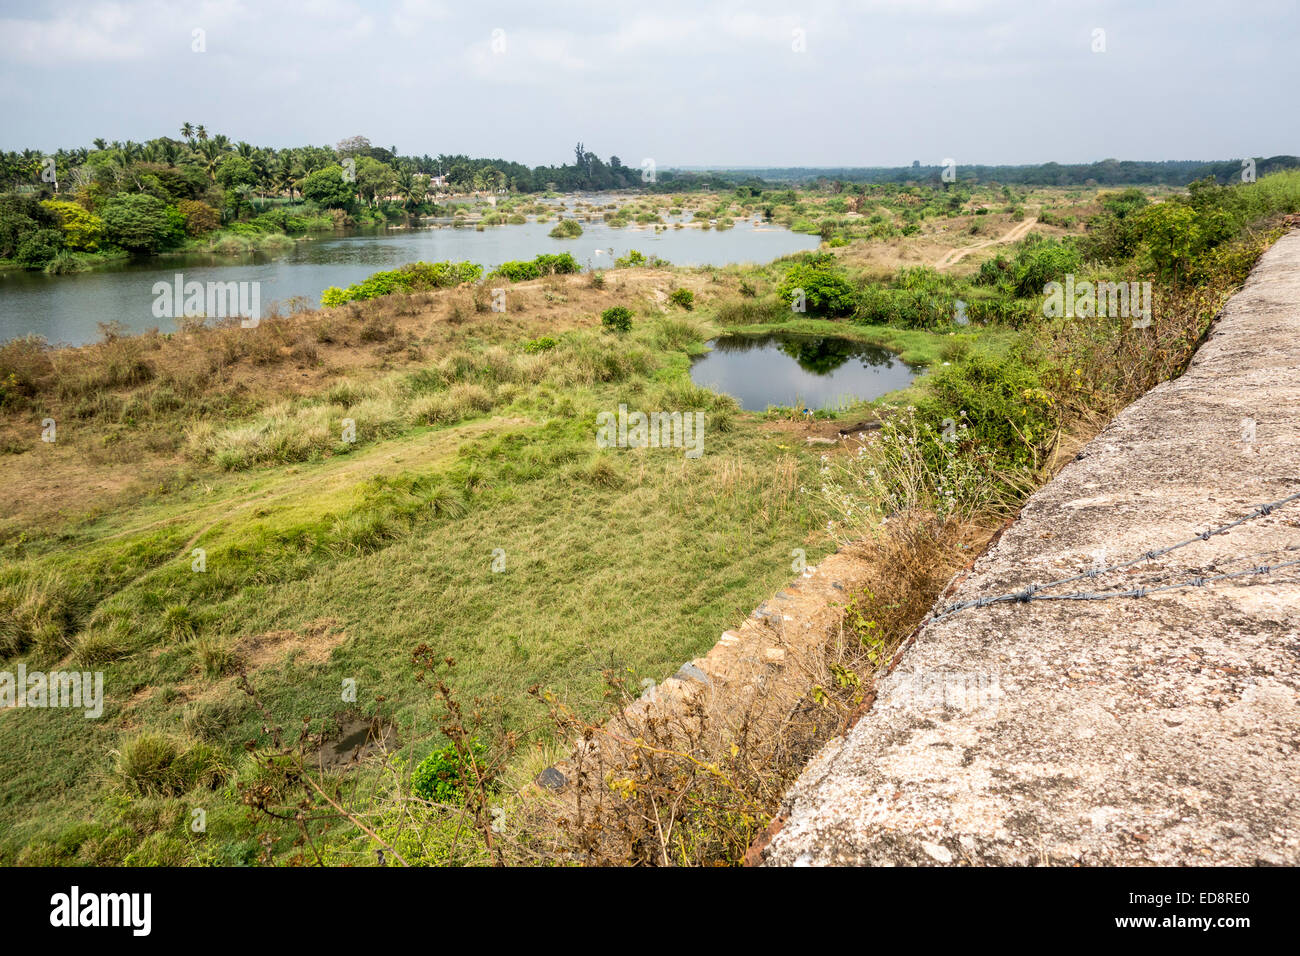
{"type": "Point", "coordinates": [1001, 400]}
{"type": "Point", "coordinates": [412, 277]}
{"type": "Point", "coordinates": [617, 319]}
{"type": "Point", "coordinates": [445, 775]}
{"type": "Point", "coordinates": [1041, 261]}
{"type": "Point", "coordinates": [543, 265]}
{"type": "Point", "coordinates": [559, 264]}
{"type": "Point", "coordinates": [543, 344]}
{"type": "Point", "coordinates": [683, 297]}
{"type": "Point", "coordinates": [567, 229]}
{"type": "Point", "coordinates": [39, 247]}
{"type": "Point", "coordinates": [825, 291]}
{"type": "Point", "coordinates": [518, 271]}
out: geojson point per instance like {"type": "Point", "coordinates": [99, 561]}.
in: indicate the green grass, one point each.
{"type": "Point", "coordinates": [633, 558]}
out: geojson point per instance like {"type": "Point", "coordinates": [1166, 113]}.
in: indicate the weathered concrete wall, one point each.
{"type": "Point", "coordinates": [1157, 730]}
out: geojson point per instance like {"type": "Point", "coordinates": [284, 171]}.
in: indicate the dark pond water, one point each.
{"type": "Point", "coordinates": [68, 308]}
{"type": "Point", "coordinates": [804, 371]}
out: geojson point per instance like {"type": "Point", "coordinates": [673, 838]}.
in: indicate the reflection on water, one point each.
{"type": "Point", "coordinates": [68, 308]}
{"type": "Point", "coordinates": [808, 371]}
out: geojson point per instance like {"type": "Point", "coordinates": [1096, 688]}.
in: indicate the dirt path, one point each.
{"type": "Point", "coordinates": [1015, 234]}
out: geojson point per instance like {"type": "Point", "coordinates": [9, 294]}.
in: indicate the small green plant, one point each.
{"type": "Point", "coordinates": [617, 319]}
{"type": "Point", "coordinates": [684, 298]}
{"type": "Point", "coordinates": [543, 344]}
{"type": "Point", "coordinates": [445, 775]}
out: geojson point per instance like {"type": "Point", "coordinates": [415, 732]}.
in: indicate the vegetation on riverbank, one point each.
{"type": "Point", "coordinates": [470, 515]}
{"type": "Point", "coordinates": [80, 207]}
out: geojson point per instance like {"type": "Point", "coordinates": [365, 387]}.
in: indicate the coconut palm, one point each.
{"type": "Point", "coordinates": [285, 178]}
{"type": "Point", "coordinates": [210, 157]}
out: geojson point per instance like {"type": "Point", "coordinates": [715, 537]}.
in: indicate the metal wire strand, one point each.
{"type": "Point", "coordinates": [1031, 593]}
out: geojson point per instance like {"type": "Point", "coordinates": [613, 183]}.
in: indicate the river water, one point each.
{"type": "Point", "coordinates": [68, 308]}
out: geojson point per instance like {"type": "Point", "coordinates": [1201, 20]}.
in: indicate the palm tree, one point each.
{"type": "Point", "coordinates": [283, 179]}
{"type": "Point", "coordinates": [201, 133]}
{"type": "Point", "coordinates": [99, 142]}
{"type": "Point", "coordinates": [211, 154]}
{"type": "Point", "coordinates": [187, 132]}
{"type": "Point", "coordinates": [262, 168]}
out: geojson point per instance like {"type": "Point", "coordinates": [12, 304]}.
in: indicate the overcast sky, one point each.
{"type": "Point", "coordinates": [685, 82]}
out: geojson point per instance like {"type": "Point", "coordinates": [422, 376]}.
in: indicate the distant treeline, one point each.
{"type": "Point", "coordinates": [1107, 172]}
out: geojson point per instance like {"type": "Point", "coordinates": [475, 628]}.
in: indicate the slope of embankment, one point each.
{"type": "Point", "coordinates": [1162, 728]}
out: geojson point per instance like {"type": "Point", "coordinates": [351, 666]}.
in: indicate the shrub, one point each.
{"type": "Point", "coordinates": [543, 344]}
{"type": "Point", "coordinates": [412, 277]}
{"type": "Point", "coordinates": [1002, 402]}
{"type": "Point", "coordinates": [543, 265]}
{"type": "Point", "coordinates": [617, 318]}
{"type": "Point", "coordinates": [518, 271]}
{"type": "Point", "coordinates": [683, 297]}
{"type": "Point", "coordinates": [566, 229]}
{"type": "Point", "coordinates": [444, 776]}
{"type": "Point", "coordinates": [1041, 261]}
{"type": "Point", "coordinates": [560, 264]}
{"type": "Point", "coordinates": [825, 291]}
{"type": "Point", "coordinates": [81, 229]}
{"type": "Point", "coordinates": [39, 247]}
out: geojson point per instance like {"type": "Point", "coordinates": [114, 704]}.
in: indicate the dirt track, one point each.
{"type": "Point", "coordinates": [1015, 234]}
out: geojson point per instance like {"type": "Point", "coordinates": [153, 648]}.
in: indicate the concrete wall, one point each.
{"type": "Point", "coordinates": [1163, 729]}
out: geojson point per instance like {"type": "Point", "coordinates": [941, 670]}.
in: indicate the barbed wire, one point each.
{"type": "Point", "coordinates": [1031, 593]}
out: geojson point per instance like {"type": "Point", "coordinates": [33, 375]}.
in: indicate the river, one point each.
{"type": "Point", "coordinates": [67, 309]}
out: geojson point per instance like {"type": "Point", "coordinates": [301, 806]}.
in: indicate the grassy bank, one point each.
{"type": "Point", "coordinates": [205, 517]}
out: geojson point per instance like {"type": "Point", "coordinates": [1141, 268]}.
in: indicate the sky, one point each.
{"type": "Point", "coordinates": [682, 82]}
